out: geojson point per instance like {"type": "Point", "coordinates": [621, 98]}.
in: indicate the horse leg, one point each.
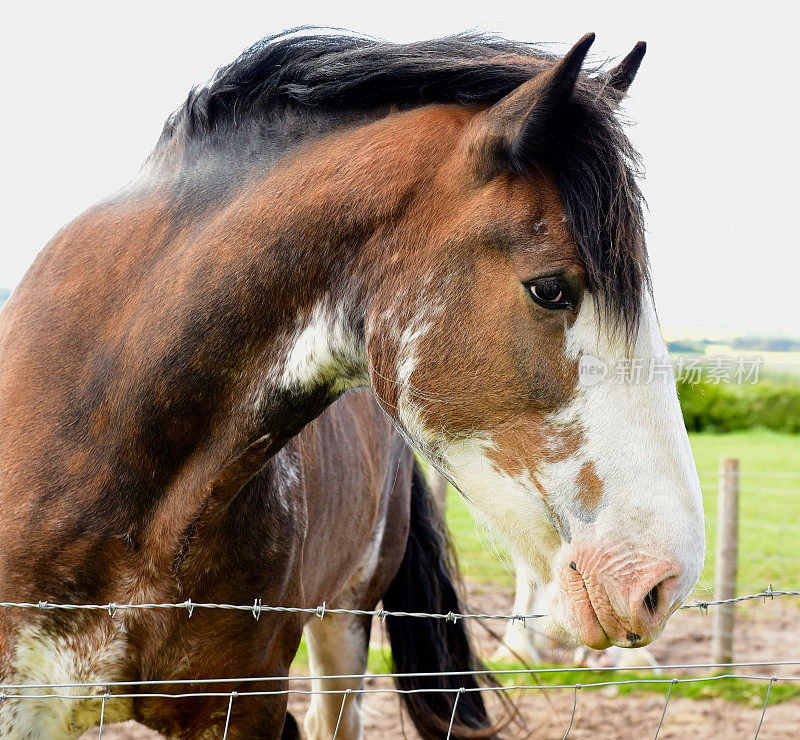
{"type": "Point", "coordinates": [338, 644]}
{"type": "Point", "coordinates": [518, 641]}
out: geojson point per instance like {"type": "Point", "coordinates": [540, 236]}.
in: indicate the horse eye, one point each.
{"type": "Point", "coordinates": [549, 293]}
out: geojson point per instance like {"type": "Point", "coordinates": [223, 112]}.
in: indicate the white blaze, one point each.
{"type": "Point", "coordinates": [633, 432]}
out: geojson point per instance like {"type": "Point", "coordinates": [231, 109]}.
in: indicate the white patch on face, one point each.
{"type": "Point", "coordinates": [384, 330]}
{"type": "Point", "coordinates": [510, 507]}
{"type": "Point", "coordinates": [41, 658]}
{"type": "Point", "coordinates": [633, 433]}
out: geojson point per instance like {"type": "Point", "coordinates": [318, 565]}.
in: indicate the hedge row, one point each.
{"type": "Point", "coordinates": [726, 408]}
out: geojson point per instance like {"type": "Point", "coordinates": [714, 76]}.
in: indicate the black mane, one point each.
{"type": "Point", "coordinates": [338, 72]}
{"type": "Point", "coordinates": [337, 75]}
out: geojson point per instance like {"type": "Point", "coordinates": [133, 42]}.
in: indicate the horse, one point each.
{"type": "Point", "coordinates": [455, 225]}
{"type": "Point", "coordinates": [345, 511]}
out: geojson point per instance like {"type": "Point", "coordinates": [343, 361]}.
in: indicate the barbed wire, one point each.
{"type": "Point", "coordinates": [257, 608]}
{"type": "Point", "coordinates": [56, 691]}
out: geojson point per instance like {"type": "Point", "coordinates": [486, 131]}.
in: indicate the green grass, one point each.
{"type": "Point", "coordinates": [769, 532]}
{"type": "Point", "coordinates": [379, 661]}
{"type": "Point", "coordinates": [769, 507]}
{"type": "Point", "coordinates": [735, 689]}
{"type": "Point", "coordinates": [730, 689]}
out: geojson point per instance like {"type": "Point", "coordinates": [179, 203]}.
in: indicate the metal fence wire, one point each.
{"type": "Point", "coordinates": [257, 608]}
{"type": "Point", "coordinates": [105, 692]}
{"type": "Point", "coordinates": [107, 695]}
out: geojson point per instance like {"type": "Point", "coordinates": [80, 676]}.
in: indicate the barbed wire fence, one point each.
{"type": "Point", "coordinates": [103, 692]}
{"type": "Point", "coordinates": [106, 691]}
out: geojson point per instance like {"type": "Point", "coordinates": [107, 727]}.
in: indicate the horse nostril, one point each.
{"type": "Point", "coordinates": [651, 600]}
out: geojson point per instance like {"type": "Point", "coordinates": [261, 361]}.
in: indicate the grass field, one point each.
{"type": "Point", "coordinates": [769, 511]}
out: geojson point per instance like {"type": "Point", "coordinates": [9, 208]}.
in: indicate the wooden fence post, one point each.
{"type": "Point", "coordinates": [726, 560]}
{"type": "Point", "coordinates": [438, 486]}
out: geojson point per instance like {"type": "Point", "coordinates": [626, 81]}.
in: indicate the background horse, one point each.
{"type": "Point", "coordinates": [339, 516]}
{"type": "Point", "coordinates": [454, 224]}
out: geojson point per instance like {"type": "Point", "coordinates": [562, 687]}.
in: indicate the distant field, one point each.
{"type": "Point", "coordinates": [769, 534]}
{"type": "Point", "coordinates": [773, 364]}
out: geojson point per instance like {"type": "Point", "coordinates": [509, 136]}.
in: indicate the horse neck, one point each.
{"type": "Point", "coordinates": [306, 246]}
{"type": "Point", "coordinates": [287, 265]}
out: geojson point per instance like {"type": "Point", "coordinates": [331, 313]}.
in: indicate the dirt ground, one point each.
{"type": "Point", "coordinates": [768, 631]}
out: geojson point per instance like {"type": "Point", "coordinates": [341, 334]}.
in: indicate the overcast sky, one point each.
{"type": "Point", "coordinates": [87, 86]}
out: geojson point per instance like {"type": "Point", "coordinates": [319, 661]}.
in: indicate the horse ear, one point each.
{"type": "Point", "coordinates": [622, 75]}
{"type": "Point", "coordinates": [506, 135]}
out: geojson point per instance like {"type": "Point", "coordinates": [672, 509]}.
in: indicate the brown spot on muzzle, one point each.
{"type": "Point", "coordinates": [590, 487]}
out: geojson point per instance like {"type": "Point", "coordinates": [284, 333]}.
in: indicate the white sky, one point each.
{"type": "Point", "coordinates": [87, 86]}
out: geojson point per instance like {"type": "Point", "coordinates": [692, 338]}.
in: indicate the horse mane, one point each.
{"type": "Point", "coordinates": [333, 76]}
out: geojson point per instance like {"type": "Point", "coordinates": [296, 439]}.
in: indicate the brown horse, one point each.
{"type": "Point", "coordinates": [454, 224]}
{"type": "Point", "coordinates": [346, 516]}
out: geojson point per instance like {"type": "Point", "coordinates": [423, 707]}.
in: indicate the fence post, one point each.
{"type": "Point", "coordinates": [726, 563]}
{"type": "Point", "coordinates": [438, 485]}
